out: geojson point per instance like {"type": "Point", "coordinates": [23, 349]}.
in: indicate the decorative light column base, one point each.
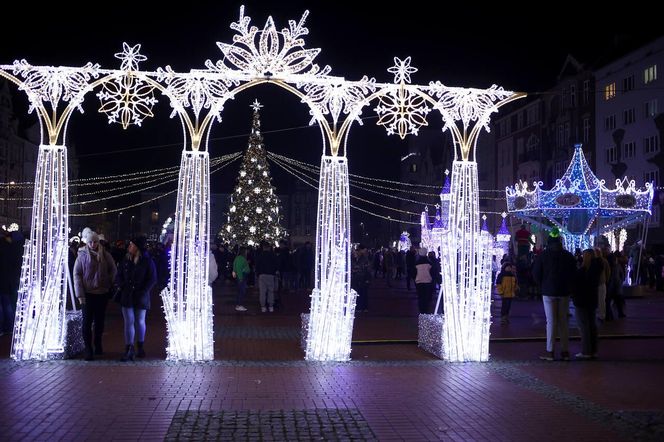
{"type": "Point", "coordinates": [330, 327]}
{"type": "Point", "coordinates": [39, 326]}
{"type": "Point", "coordinates": [188, 297]}
{"type": "Point", "coordinates": [430, 334]}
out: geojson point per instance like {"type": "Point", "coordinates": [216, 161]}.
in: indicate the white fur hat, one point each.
{"type": "Point", "coordinates": [89, 235]}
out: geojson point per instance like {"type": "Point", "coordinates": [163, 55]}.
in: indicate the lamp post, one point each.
{"type": "Point", "coordinates": [131, 226]}
{"type": "Point", "coordinates": [119, 214]}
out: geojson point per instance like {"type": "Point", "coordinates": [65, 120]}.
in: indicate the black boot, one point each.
{"type": "Point", "coordinates": [129, 354]}
{"type": "Point", "coordinates": [141, 351]}
{"type": "Point", "coordinates": [89, 356]}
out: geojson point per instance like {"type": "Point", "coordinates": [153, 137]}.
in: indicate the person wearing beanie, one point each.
{"type": "Point", "coordinates": [136, 277]}
{"type": "Point", "coordinates": [94, 272]}
{"type": "Point", "coordinates": [553, 270]}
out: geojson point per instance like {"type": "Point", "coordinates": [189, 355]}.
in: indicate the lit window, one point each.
{"type": "Point", "coordinates": [650, 74]}
{"type": "Point", "coordinates": [610, 91]}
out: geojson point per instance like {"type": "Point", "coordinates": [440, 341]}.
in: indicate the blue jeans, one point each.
{"type": "Point", "coordinates": [133, 316]}
{"type": "Point", "coordinates": [241, 291]}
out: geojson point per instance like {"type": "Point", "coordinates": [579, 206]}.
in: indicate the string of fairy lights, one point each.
{"type": "Point", "coordinates": [141, 181]}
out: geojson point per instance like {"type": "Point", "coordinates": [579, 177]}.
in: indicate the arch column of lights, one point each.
{"type": "Point", "coordinates": [259, 56]}
{"type": "Point", "coordinates": [39, 326]}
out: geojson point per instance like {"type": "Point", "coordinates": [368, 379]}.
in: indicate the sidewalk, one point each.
{"type": "Point", "coordinates": [259, 387]}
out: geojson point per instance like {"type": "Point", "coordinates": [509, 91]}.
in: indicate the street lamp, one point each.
{"type": "Point", "coordinates": [119, 214]}
{"type": "Point", "coordinates": [131, 226]}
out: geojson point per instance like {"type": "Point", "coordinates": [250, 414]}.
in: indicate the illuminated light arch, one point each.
{"type": "Point", "coordinates": [258, 56]}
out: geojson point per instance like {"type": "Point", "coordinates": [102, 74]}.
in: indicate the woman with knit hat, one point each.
{"type": "Point", "coordinates": [136, 277]}
{"type": "Point", "coordinates": [94, 272]}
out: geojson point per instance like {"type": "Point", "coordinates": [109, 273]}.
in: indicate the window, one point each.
{"type": "Point", "coordinates": [610, 91]}
{"type": "Point", "coordinates": [611, 154]}
{"type": "Point", "coordinates": [610, 122]}
{"type": "Point", "coordinates": [533, 142]}
{"type": "Point", "coordinates": [413, 168]}
{"type": "Point", "coordinates": [586, 130]}
{"type": "Point", "coordinates": [586, 91]}
{"type": "Point", "coordinates": [567, 132]}
{"type": "Point", "coordinates": [630, 149]}
{"type": "Point", "coordinates": [651, 144]}
{"type": "Point", "coordinates": [629, 116]}
{"type": "Point", "coordinates": [650, 74]}
{"type": "Point", "coordinates": [572, 95]}
{"type": "Point", "coordinates": [628, 83]}
{"type": "Point", "coordinates": [650, 108]}
{"type": "Point", "coordinates": [652, 176]}
{"type": "Point", "coordinates": [532, 115]}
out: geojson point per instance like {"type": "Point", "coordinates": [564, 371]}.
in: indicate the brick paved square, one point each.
{"type": "Point", "coordinates": [292, 425]}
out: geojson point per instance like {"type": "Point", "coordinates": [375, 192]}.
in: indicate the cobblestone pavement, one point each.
{"type": "Point", "coordinates": [259, 388]}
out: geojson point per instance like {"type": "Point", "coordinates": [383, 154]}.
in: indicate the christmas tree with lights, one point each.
{"type": "Point", "coordinates": [253, 215]}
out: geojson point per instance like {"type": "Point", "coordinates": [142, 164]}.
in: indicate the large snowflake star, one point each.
{"type": "Point", "coordinates": [402, 112]}
{"type": "Point", "coordinates": [127, 100]}
{"type": "Point", "coordinates": [402, 70]}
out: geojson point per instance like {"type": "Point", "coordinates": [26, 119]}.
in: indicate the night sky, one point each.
{"type": "Point", "coordinates": [514, 48]}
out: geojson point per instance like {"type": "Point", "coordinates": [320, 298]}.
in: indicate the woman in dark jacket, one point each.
{"type": "Point", "coordinates": [136, 277]}
{"type": "Point", "coordinates": [585, 302]}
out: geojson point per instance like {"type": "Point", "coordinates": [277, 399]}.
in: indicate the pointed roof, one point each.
{"type": "Point", "coordinates": [446, 187]}
{"type": "Point", "coordinates": [578, 173]}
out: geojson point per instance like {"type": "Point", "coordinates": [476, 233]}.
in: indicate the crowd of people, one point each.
{"type": "Point", "coordinates": [129, 272]}
{"type": "Point", "coordinates": [592, 279]}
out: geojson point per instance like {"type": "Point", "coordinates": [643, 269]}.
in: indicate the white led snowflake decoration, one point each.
{"type": "Point", "coordinates": [468, 104]}
{"type": "Point", "coordinates": [127, 100]}
{"type": "Point", "coordinates": [333, 98]}
{"type": "Point", "coordinates": [196, 91]}
{"type": "Point", "coordinates": [130, 57]}
{"type": "Point", "coordinates": [402, 110]}
{"type": "Point", "coordinates": [268, 51]}
{"type": "Point", "coordinates": [52, 84]}
{"type": "Point", "coordinates": [402, 70]}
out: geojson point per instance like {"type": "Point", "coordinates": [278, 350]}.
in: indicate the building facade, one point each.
{"type": "Point", "coordinates": [629, 122]}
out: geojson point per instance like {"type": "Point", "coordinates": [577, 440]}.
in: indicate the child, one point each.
{"type": "Point", "coordinates": [506, 286]}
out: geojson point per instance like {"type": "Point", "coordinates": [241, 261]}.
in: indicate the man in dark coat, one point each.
{"type": "Point", "coordinates": [553, 270]}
